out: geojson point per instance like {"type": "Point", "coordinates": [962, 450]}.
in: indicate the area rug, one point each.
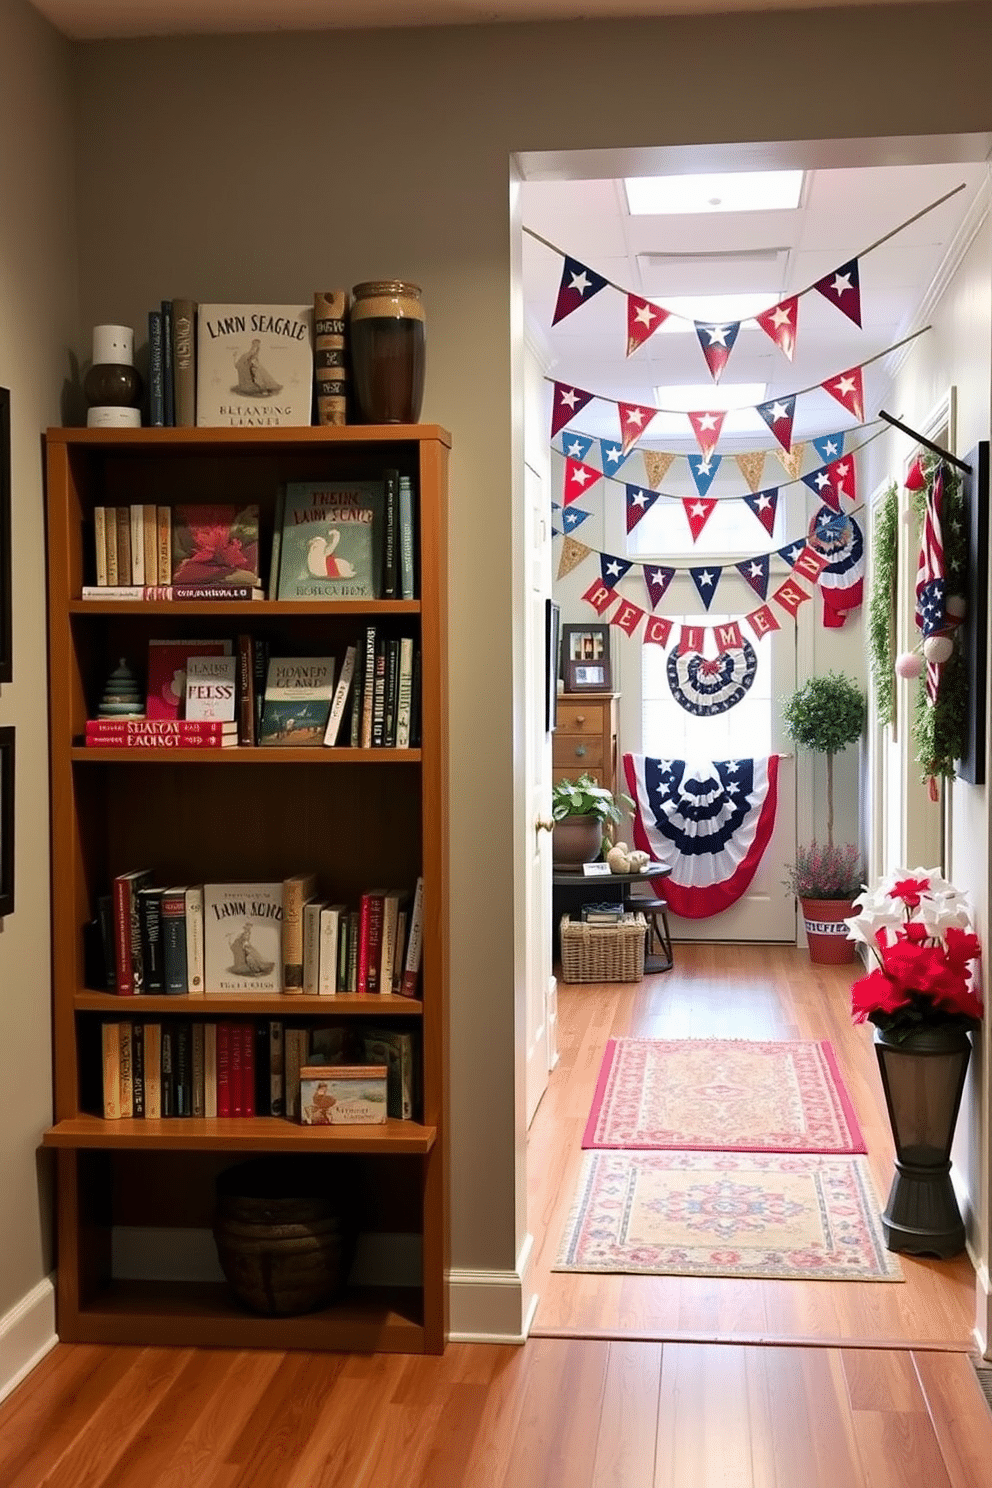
{"type": "Point", "coordinates": [789, 1216]}
{"type": "Point", "coordinates": [722, 1095]}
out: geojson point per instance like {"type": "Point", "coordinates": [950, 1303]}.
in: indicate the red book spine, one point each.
{"type": "Point", "coordinates": [237, 1091]}
{"type": "Point", "coordinates": [374, 948]}
{"type": "Point", "coordinates": [122, 938]}
{"type": "Point", "coordinates": [361, 984]}
{"type": "Point", "coordinates": [154, 741]}
{"type": "Point", "coordinates": [223, 1069]}
{"type": "Point", "coordinates": [247, 1069]}
{"type": "Point", "coordinates": [184, 728]}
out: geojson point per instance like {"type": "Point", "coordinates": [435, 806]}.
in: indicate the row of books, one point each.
{"type": "Point", "coordinates": [243, 1067]}
{"type": "Point", "coordinates": [252, 938]}
{"type": "Point", "coordinates": [331, 540]}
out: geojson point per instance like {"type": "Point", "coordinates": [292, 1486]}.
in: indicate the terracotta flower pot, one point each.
{"type": "Point", "coordinates": [826, 933]}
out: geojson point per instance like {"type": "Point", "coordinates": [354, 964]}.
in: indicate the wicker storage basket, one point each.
{"type": "Point", "coordinates": [603, 953]}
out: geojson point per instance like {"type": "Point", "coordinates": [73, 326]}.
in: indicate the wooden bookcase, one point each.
{"type": "Point", "coordinates": [359, 817]}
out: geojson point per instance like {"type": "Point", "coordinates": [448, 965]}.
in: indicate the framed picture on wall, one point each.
{"type": "Point", "coordinates": [6, 821]}
{"type": "Point", "coordinates": [6, 644]}
{"type": "Point", "coordinates": [587, 665]}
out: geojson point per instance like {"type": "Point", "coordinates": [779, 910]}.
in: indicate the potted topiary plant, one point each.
{"type": "Point", "coordinates": [825, 715]}
{"type": "Point", "coordinates": [583, 810]}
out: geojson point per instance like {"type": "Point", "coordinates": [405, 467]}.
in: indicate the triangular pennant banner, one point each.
{"type": "Point", "coordinates": [790, 596]}
{"type": "Point", "coordinates": [628, 617]}
{"type": "Point", "coordinates": [643, 319]}
{"type": "Point", "coordinates": [791, 460]}
{"type": "Point", "coordinates": [762, 621]}
{"type": "Point", "coordinates": [639, 501]}
{"type": "Point", "coordinates": [657, 630]}
{"type": "Point", "coordinates": [600, 596]}
{"type": "Point", "coordinates": [612, 455]}
{"type": "Point", "coordinates": [849, 391]}
{"type": "Point", "coordinates": [778, 415]}
{"type": "Point", "coordinates": [572, 554]}
{"type": "Point", "coordinates": [565, 404]}
{"type": "Point", "coordinates": [578, 285]}
{"type": "Point", "coordinates": [697, 513]}
{"type": "Point", "coordinates": [579, 479]}
{"type": "Point", "coordinates": [706, 426]}
{"type": "Point", "coordinates": [821, 484]}
{"type": "Point", "coordinates": [764, 504]}
{"type": "Point", "coordinates": [656, 464]}
{"type": "Point", "coordinates": [728, 637]}
{"type": "Point", "coordinates": [780, 322]}
{"type": "Point", "coordinates": [706, 580]}
{"type": "Point", "coordinates": [692, 638]}
{"type": "Point", "coordinates": [572, 517]}
{"type": "Point", "coordinates": [717, 342]}
{"type": "Point", "coordinates": [657, 581]}
{"type": "Point", "coordinates": [634, 419]}
{"type": "Point", "coordinates": [831, 482]}
{"type": "Point", "coordinates": [810, 564]}
{"type": "Point", "coordinates": [703, 468]}
{"type": "Point", "coordinates": [791, 553]}
{"type": "Point", "coordinates": [577, 446]}
{"type": "Point", "coordinates": [755, 571]}
{"type": "Point", "coordinates": [752, 467]}
{"type": "Point", "coordinates": [612, 569]}
{"type": "Point", "coordinates": [829, 446]}
{"type": "Point", "coordinates": [843, 289]}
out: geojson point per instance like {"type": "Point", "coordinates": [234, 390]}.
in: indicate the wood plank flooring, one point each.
{"type": "Point", "coordinates": [823, 1385]}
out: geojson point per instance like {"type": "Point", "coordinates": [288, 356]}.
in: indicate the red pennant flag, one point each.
{"type": "Point", "coordinates": [579, 479]}
{"type": "Point", "coordinates": [810, 564]}
{"type": "Point", "coordinates": [844, 477]}
{"type": "Point", "coordinates": [634, 419]}
{"type": "Point", "coordinates": [628, 617]}
{"type": "Point", "coordinates": [717, 342]}
{"type": "Point", "coordinates": [728, 637]}
{"type": "Point", "coordinates": [843, 289]}
{"type": "Point", "coordinates": [566, 403]}
{"type": "Point", "coordinates": [657, 581]}
{"type": "Point", "coordinates": [916, 479]}
{"type": "Point", "coordinates": [781, 323]}
{"type": "Point", "coordinates": [849, 391]}
{"type": "Point", "coordinates": [790, 596]}
{"type": "Point", "coordinates": [706, 427]}
{"type": "Point", "coordinates": [778, 415]}
{"type": "Point", "coordinates": [657, 630]}
{"type": "Point", "coordinates": [577, 287]}
{"type": "Point", "coordinates": [599, 596]}
{"type": "Point", "coordinates": [643, 319]}
{"type": "Point", "coordinates": [762, 621]}
{"type": "Point", "coordinates": [692, 638]}
{"type": "Point", "coordinates": [698, 510]}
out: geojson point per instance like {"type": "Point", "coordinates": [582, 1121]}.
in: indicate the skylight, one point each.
{"type": "Point", "coordinates": [688, 397]}
{"type": "Point", "coordinates": [741, 191]}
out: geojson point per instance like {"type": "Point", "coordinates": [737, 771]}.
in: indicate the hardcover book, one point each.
{"type": "Point", "coordinates": [254, 365]}
{"type": "Point", "coordinates": [167, 661]}
{"type": "Point", "coordinates": [331, 540]}
{"type": "Point", "coordinates": [242, 937]}
{"type": "Point", "coordinates": [215, 545]}
{"type": "Point", "coordinates": [211, 688]}
{"type": "Point", "coordinates": [330, 308]}
{"type": "Point", "coordinates": [297, 702]}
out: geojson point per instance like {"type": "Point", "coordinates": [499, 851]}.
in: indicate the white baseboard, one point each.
{"type": "Point", "coordinates": [27, 1332]}
{"type": "Point", "coordinates": [983, 1311]}
{"type": "Point", "coordinates": [492, 1306]}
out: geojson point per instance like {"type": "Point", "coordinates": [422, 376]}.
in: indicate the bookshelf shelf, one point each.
{"type": "Point", "coordinates": [355, 817]}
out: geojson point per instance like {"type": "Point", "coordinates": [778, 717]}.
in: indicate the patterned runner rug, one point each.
{"type": "Point", "coordinates": [791, 1216]}
{"type": "Point", "coordinates": [722, 1095]}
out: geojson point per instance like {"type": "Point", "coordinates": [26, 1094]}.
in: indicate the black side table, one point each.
{"type": "Point", "coordinates": [571, 889]}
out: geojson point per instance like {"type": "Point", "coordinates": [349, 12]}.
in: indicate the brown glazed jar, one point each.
{"type": "Point", "coordinates": [387, 344]}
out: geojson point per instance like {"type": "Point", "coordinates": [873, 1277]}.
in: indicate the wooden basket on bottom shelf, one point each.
{"type": "Point", "coordinates": [603, 953]}
{"type": "Point", "coordinates": [280, 1240]}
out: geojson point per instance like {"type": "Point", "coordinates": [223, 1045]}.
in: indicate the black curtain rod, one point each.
{"type": "Point", "coordinates": [921, 439]}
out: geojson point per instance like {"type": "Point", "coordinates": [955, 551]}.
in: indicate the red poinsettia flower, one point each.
{"type": "Point", "coordinates": [964, 1000]}
{"type": "Point", "coordinates": [915, 931]}
{"type": "Point", "coordinates": [962, 947]}
{"type": "Point", "coordinates": [921, 968]}
{"type": "Point", "coordinates": [876, 993]}
{"type": "Point", "coordinates": [910, 891]}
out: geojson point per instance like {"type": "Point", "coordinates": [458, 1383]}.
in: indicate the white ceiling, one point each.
{"type": "Point", "coordinates": [777, 253]}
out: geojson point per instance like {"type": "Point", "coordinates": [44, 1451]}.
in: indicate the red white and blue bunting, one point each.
{"type": "Point", "coordinates": [706, 686]}
{"type": "Point", "coordinates": [708, 821]}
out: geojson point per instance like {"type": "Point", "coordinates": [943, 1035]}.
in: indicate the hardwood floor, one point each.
{"type": "Point", "coordinates": [820, 1384]}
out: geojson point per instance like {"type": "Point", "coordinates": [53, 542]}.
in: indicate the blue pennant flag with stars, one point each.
{"type": "Point", "coordinates": [613, 454]}
{"type": "Point", "coordinates": [706, 580]}
{"type": "Point", "coordinates": [576, 446]}
{"type": "Point", "coordinates": [657, 580]}
{"type": "Point", "coordinates": [755, 571]}
{"type": "Point", "coordinates": [639, 501]}
{"type": "Point", "coordinates": [829, 447]}
{"type": "Point", "coordinates": [572, 517]}
{"type": "Point", "coordinates": [764, 504]}
{"type": "Point", "coordinates": [703, 468]}
{"type": "Point", "coordinates": [612, 569]}
{"type": "Point", "coordinates": [791, 553]}
{"type": "Point", "coordinates": [578, 285]}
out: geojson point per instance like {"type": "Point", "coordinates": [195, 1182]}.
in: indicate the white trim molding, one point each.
{"type": "Point", "coordinates": [492, 1306]}
{"type": "Point", "coordinates": [27, 1332]}
{"type": "Point", "coordinates": [983, 1309]}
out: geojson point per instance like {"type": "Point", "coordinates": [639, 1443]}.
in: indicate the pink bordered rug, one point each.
{"type": "Point", "coordinates": [722, 1095]}
{"type": "Point", "coordinates": [793, 1216]}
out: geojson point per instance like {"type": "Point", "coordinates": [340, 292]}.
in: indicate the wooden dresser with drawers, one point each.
{"type": "Point", "coordinates": [585, 737]}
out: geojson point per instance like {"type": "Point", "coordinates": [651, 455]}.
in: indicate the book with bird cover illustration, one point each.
{"type": "Point", "coordinates": [332, 540]}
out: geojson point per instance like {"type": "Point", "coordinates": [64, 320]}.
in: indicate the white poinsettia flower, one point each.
{"type": "Point", "coordinates": [861, 928]}
{"type": "Point", "coordinates": [939, 915]}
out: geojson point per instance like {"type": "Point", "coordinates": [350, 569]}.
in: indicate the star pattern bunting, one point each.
{"type": "Point", "coordinates": [634, 419]}
{"type": "Point", "coordinates": [579, 479]}
{"type": "Point", "coordinates": [572, 517]}
{"type": "Point", "coordinates": [703, 468]}
{"type": "Point", "coordinates": [781, 322]}
{"type": "Point", "coordinates": [829, 446]}
{"type": "Point", "coordinates": [833, 481]}
{"type": "Point", "coordinates": [613, 569]}
{"type": "Point", "coordinates": [578, 286]}
{"type": "Point", "coordinates": [706, 426]}
{"type": "Point", "coordinates": [764, 504]}
{"type": "Point", "coordinates": [849, 391]}
{"type": "Point", "coordinates": [843, 289]}
{"type": "Point", "coordinates": [643, 319]}
{"type": "Point", "coordinates": [612, 455]}
{"type": "Point", "coordinates": [566, 403]}
{"type": "Point", "coordinates": [577, 446]}
{"type": "Point", "coordinates": [697, 512]}
{"type": "Point", "coordinates": [657, 580]}
{"type": "Point", "coordinates": [778, 415]}
{"type": "Point", "coordinates": [638, 502]}
{"type": "Point", "coordinates": [717, 342]}
{"type": "Point", "coordinates": [755, 571]}
{"type": "Point", "coordinates": [705, 580]}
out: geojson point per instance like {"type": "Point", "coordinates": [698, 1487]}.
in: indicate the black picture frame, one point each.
{"type": "Point", "coordinates": [552, 641]}
{"type": "Point", "coordinates": [975, 492]}
{"type": "Point", "coordinates": [6, 608]}
{"type": "Point", "coordinates": [586, 660]}
{"type": "Point", "coordinates": [6, 821]}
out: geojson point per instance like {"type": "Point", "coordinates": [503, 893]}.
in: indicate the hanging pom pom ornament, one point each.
{"type": "Point", "coordinates": [955, 607]}
{"type": "Point", "coordinates": [938, 649]}
{"type": "Point", "coordinates": [908, 665]}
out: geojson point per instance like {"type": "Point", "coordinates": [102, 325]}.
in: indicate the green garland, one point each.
{"type": "Point", "coordinates": [881, 628]}
{"type": "Point", "coordinates": [940, 732]}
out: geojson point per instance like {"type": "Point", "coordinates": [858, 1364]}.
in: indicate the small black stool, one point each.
{"type": "Point", "coordinates": [654, 911]}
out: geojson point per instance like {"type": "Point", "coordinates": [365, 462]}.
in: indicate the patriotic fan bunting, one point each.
{"type": "Point", "coordinates": [578, 285]}
{"type": "Point", "coordinates": [566, 403]}
{"type": "Point", "coordinates": [778, 415]}
{"type": "Point", "coordinates": [612, 454]}
{"type": "Point", "coordinates": [697, 512]}
{"type": "Point", "coordinates": [706, 426]}
{"type": "Point", "coordinates": [639, 501]}
{"type": "Point", "coordinates": [703, 468]}
{"type": "Point", "coordinates": [613, 569]}
{"type": "Point", "coordinates": [572, 517]}
{"type": "Point", "coordinates": [577, 446]}
{"type": "Point", "coordinates": [717, 342]}
{"type": "Point", "coordinates": [849, 391]}
{"type": "Point", "coordinates": [579, 479]}
{"type": "Point", "coordinates": [634, 419]}
{"type": "Point", "coordinates": [781, 322]}
{"type": "Point", "coordinates": [755, 571]}
{"type": "Point", "coordinates": [710, 823]}
{"type": "Point", "coordinates": [839, 542]}
{"type": "Point", "coordinates": [829, 446]}
{"type": "Point", "coordinates": [764, 504]}
{"type": "Point", "coordinates": [705, 687]}
{"type": "Point", "coordinates": [643, 319]}
{"type": "Point", "coordinates": [657, 581]}
{"type": "Point", "coordinates": [843, 289]}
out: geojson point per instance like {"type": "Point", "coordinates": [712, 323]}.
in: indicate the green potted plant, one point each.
{"type": "Point", "coordinates": [825, 715]}
{"type": "Point", "coordinates": [583, 811]}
